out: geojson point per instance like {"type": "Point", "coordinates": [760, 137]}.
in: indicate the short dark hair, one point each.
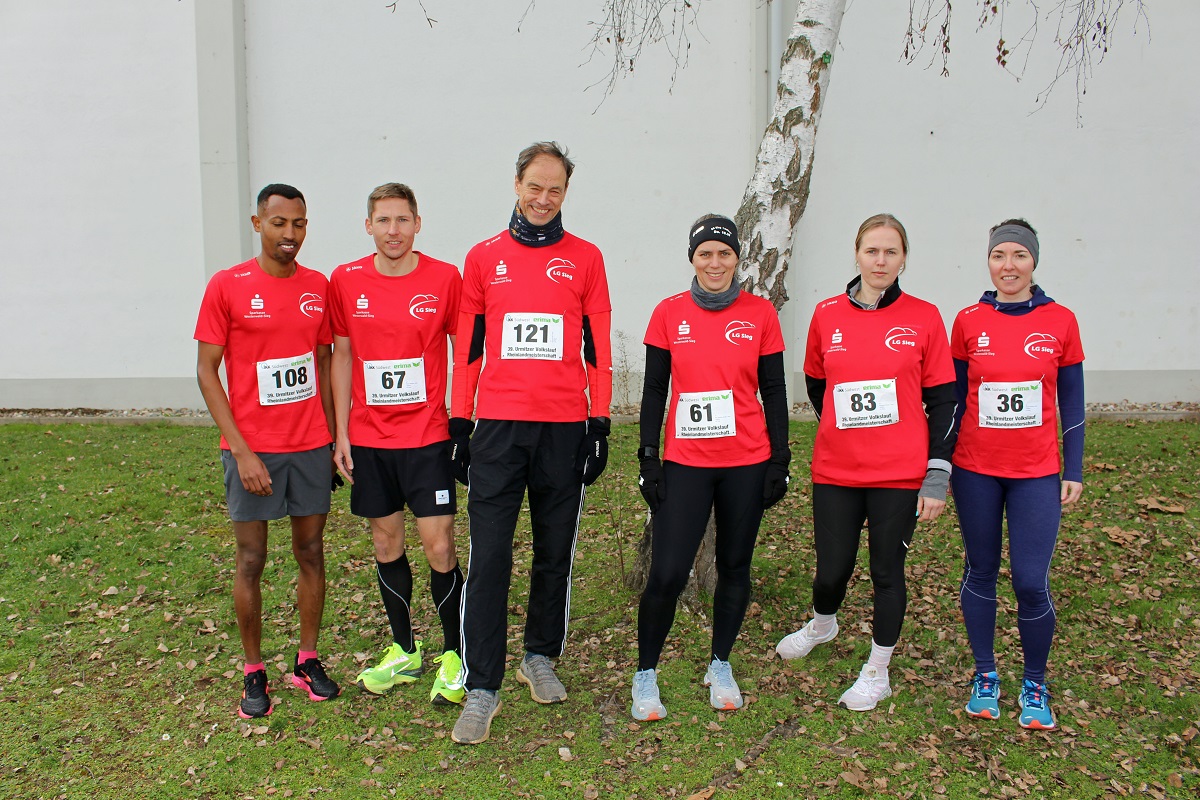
{"type": "Point", "coordinates": [1022, 223]}
{"type": "Point", "coordinates": [552, 149]}
{"type": "Point", "coordinates": [283, 190]}
{"type": "Point", "coordinates": [400, 191]}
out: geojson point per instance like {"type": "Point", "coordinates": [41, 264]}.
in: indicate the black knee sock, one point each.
{"type": "Point", "coordinates": [395, 586]}
{"type": "Point", "coordinates": [446, 588]}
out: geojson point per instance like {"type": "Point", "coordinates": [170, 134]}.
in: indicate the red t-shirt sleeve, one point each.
{"type": "Point", "coordinates": [595, 295]}
{"type": "Point", "coordinates": [958, 344]}
{"type": "Point", "coordinates": [336, 314]}
{"type": "Point", "coordinates": [772, 340]}
{"type": "Point", "coordinates": [656, 334]}
{"type": "Point", "coordinates": [1073, 346]}
{"type": "Point", "coordinates": [212, 323]}
{"type": "Point", "coordinates": [814, 364]}
{"type": "Point", "coordinates": [937, 367]}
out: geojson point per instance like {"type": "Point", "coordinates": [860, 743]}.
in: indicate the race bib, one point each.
{"type": "Point", "coordinates": [1015, 404]}
{"type": "Point", "coordinates": [866, 404]}
{"type": "Point", "coordinates": [705, 415]}
{"type": "Point", "coordinates": [394, 383]}
{"type": "Point", "coordinates": [286, 380]}
{"type": "Point", "coordinates": [533, 336]}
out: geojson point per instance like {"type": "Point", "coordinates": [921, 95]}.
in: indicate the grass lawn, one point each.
{"type": "Point", "coordinates": [120, 667]}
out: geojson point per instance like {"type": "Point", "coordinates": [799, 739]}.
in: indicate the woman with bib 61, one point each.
{"type": "Point", "coordinates": [1015, 352]}
{"type": "Point", "coordinates": [881, 380]}
{"type": "Point", "coordinates": [717, 348]}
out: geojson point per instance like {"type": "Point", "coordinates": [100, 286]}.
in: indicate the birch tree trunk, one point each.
{"type": "Point", "coordinates": [777, 194]}
{"type": "Point", "coordinates": [771, 208]}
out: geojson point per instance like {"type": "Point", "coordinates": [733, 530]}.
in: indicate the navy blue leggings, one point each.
{"type": "Point", "coordinates": [1034, 509]}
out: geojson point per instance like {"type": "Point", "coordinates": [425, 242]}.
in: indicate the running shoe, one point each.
{"type": "Point", "coordinates": [448, 684]}
{"type": "Point", "coordinates": [871, 687]}
{"type": "Point", "coordinates": [1035, 707]}
{"type": "Point", "coordinates": [985, 696]}
{"type": "Point", "coordinates": [396, 666]}
{"type": "Point", "coordinates": [537, 672]}
{"type": "Point", "coordinates": [801, 643]}
{"type": "Point", "coordinates": [475, 722]}
{"type": "Point", "coordinates": [310, 676]}
{"type": "Point", "coordinates": [255, 699]}
{"type": "Point", "coordinates": [723, 691]}
{"type": "Point", "coordinates": [647, 705]}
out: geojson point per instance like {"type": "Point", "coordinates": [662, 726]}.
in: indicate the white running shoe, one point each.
{"type": "Point", "coordinates": [801, 643]}
{"type": "Point", "coordinates": [647, 705]}
{"type": "Point", "coordinates": [871, 687]}
{"type": "Point", "coordinates": [723, 692]}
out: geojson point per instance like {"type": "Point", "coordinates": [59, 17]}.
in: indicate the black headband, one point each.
{"type": "Point", "coordinates": [721, 229]}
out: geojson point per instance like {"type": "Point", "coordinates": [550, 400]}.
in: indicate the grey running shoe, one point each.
{"type": "Point", "coordinates": [475, 722]}
{"type": "Point", "coordinates": [646, 703]}
{"type": "Point", "coordinates": [723, 692]}
{"type": "Point", "coordinates": [537, 672]}
{"type": "Point", "coordinates": [801, 643]}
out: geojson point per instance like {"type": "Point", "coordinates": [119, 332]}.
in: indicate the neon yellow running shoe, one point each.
{"type": "Point", "coordinates": [396, 666]}
{"type": "Point", "coordinates": [448, 685]}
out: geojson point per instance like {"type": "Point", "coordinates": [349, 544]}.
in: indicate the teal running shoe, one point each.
{"type": "Point", "coordinates": [985, 696]}
{"type": "Point", "coordinates": [1035, 707]}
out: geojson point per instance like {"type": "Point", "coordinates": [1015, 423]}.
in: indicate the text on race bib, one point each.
{"type": "Point", "coordinates": [394, 382]}
{"type": "Point", "coordinates": [866, 404]}
{"type": "Point", "coordinates": [705, 415]}
{"type": "Point", "coordinates": [286, 380]}
{"type": "Point", "coordinates": [532, 336]}
{"type": "Point", "coordinates": [1010, 404]}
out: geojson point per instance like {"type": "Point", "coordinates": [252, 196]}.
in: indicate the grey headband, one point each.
{"type": "Point", "coordinates": [1017, 234]}
{"type": "Point", "coordinates": [718, 229]}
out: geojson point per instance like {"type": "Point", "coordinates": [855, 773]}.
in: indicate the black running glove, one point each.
{"type": "Point", "coordinates": [775, 484]}
{"type": "Point", "coordinates": [461, 429]}
{"type": "Point", "coordinates": [650, 482]}
{"type": "Point", "coordinates": [593, 451]}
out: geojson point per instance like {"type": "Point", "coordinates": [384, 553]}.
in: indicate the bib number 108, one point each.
{"type": "Point", "coordinates": [290, 377]}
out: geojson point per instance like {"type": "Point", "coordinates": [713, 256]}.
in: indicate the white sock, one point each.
{"type": "Point", "coordinates": [880, 657]}
{"type": "Point", "coordinates": [823, 623]}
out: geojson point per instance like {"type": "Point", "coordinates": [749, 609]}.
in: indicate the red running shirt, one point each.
{"type": "Point", "coordinates": [392, 321]}
{"type": "Point", "coordinates": [715, 354]}
{"type": "Point", "coordinates": [266, 326]}
{"type": "Point", "coordinates": [875, 364]}
{"type": "Point", "coordinates": [1007, 356]}
{"type": "Point", "coordinates": [533, 300]}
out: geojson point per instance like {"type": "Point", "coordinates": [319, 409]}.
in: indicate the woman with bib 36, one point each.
{"type": "Point", "coordinates": [718, 347]}
{"type": "Point", "coordinates": [1016, 354]}
{"type": "Point", "coordinates": [881, 380]}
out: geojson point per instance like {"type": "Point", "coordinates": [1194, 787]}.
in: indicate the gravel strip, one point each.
{"type": "Point", "coordinates": [624, 413]}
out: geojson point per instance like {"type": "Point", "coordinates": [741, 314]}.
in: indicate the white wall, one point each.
{"type": "Point", "coordinates": [343, 99]}
{"type": "Point", "coordinates": [99, 231]}
{"type": "Point", "coordinates": [1113, 201]}
{"type": "Point", "coordinates": [119, 202]}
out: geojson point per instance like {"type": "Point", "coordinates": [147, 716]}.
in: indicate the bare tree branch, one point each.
{"type": "Point", "coordinates": [428, 18]}
{"type": "Point", "coordinates": [1083, 34]}
{"type": "Point", "coordinates": [627, 28]}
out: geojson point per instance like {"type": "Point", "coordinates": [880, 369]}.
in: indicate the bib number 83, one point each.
{"type": "Point", "coordinates": [862, 402]}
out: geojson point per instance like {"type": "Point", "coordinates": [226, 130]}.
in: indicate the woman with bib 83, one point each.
{"type": "Point", "coordinates": [881, 380]}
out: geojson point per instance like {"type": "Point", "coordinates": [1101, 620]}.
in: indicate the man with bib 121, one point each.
{"type": "Point", "coordinates": [265, 318]}
{"type": "Point", "coordinates": [535, 319]}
